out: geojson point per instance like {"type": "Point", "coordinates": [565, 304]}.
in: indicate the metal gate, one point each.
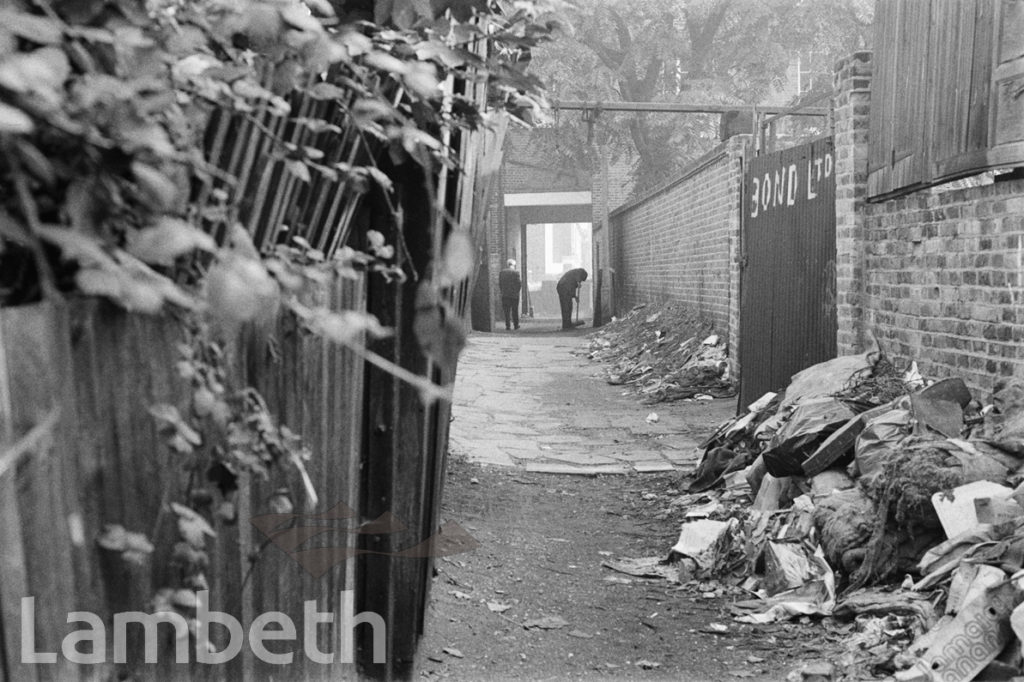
{"type": "Point", "coordinates": [788, 284]}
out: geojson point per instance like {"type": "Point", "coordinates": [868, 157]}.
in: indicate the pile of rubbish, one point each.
{"type": "Point", "coordinates": [875, 497]}
{"type": "Point", "coordinates": [666, 353]}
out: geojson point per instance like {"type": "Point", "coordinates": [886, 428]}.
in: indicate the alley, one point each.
{"type": "Point", "coordinates": [533, 602]}
{"type": "Point", "coordinates": [536, 401]}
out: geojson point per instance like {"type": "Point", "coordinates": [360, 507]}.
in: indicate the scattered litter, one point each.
{"type": "Point", "coordinates": [617, 579]}
{"type": "Point", "coordinates": [460, 595]}
{"type": "Point", "coordinates": [648, 567]}
{"type": "Point", "coordinates": [887, 505]}
{"type": "Point", "coordinates": [451, 651]}
{"type": "Point", "coordinates": [579, 634]}
{"type": "Point", "coordinates": [474, 480]}
{"type": "Point", "coordinates": [498, 607]}
{"type": "Point", "coordinates": [652, 418]}
{"type": "Point", "coordinates": [665, 355]}
{"type": "Point", "coordinates": [545, 623]}
{"type": "Point", "coordinates": [644, 664]}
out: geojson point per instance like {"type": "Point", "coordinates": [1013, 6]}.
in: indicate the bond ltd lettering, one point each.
{"type": "Point", "coordinates": [790, 185]}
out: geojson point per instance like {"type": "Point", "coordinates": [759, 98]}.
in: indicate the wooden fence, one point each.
{"type": "Point", "coordinates": [945, 93]}
{"type": "Point", "coordinates": [79, 383]}
{"type": "Point", "coordinates": [79, 449]}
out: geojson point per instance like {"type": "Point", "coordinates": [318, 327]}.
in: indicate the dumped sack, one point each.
{"type": "Point", "coordinates": [810, 423]}
{"type": "Point", "coordinates": [844, 522]}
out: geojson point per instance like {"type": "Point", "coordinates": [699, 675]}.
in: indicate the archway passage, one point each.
{"type": "Point", "coordinates": [548, 250]}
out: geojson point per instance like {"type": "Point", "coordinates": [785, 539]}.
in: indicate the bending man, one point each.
{"type": "Point", "coordinates": [568, 288]}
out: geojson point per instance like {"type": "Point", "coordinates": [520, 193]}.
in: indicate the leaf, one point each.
{"type": "Point", "coordinates": [168, 239]}
{"type": "Point", "coordinates": [192, 527]}
{"type": "Point", "coordinates": [78, 246]}
{"type": "Point", "coordinates": [312, 153]}
{"type": "Point", "coordinates": [158, 189]}
{"type": "Point", "coordinates": [432, 49]}
{"type": "Point", "coordinates": [421, 79]}
{"type": "Point", "coordinates": [240, 289]}
{"type": "Point", "coordinates": [380, 177]}
{"type": "Point", "coordinates": [14, 121]}
{"type": "Point", "coordinates": [134, 547]}
{"type": "Point", "coordinates": [166, 414]}
{"type": "Point", "coordinates": [438, 330]}
{"type": "Point", "coordinates": [37, 29]}
{"type": "Point", "coordinates": [327, 91]}
{"type": "Point", "coordinates": [355, 43]}
{"type": "Point", "coordinates": [383, 61]}
{"type": "Point", "coordinates": [459, 258]}
{"type": "Point", "coordinates": [317, 125]}
{"type": "Point", "coordinates": [346, 326]}
{"type": "Point", "coordinates": [98, 282]}
{"type": "Point", "coordinates": [322, 8]}
{"type": "Point", "coordinates": [151, 136]}
{"type": "Point", "coordinates": [36, 163]}
{"type": "Point", "coordinates": [42, 72]}
{"type": "Point", "coordinates": [299, 17]}
{"type": "Point", "coordinates": [299, 170]}
{"type": "Point", "coordinates": [366, 111]}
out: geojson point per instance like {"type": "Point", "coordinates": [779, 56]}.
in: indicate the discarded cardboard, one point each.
{"type": "Point", "coordinates": [787, 565]}
{"type": "Point", "coordinates": [972, 640]}
{"type": "Point", "coordinates": [955, 507]}
{"type": "Point", "coordinates": [944, 416]}
{"type": "Point", "coordinates": [700, 540]}
{"type": "Point", "coordinates": [953, 389]}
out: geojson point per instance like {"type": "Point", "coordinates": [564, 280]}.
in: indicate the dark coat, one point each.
{"type": "Point", "coordinates": [570, 282]}
{"type": "Point", "coordinates": [509, 283]}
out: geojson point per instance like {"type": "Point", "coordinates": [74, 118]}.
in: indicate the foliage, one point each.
{"type": "Point", "coordinates": [125, 136]}
{"type": "Point", "coordinates": [688, 51]}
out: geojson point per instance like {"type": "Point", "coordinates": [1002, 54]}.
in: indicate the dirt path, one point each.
{"type": "Point", "coordinates": [543, 538]}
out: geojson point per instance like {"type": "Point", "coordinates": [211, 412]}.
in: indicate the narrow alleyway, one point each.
{"type": "Point", "coordinates": [554, 471]}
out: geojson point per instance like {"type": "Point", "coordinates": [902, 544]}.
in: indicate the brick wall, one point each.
{"type": "Point", "coordinates": [935, 276]}
{"type": "Point", "coordinates": [852, 107]}
{"type": "Point", "coordinates": [612, 185]}
{"type": "Point", "coordinates": [527, 167]}
{"type": "Point", "coordinates": [679, 243]}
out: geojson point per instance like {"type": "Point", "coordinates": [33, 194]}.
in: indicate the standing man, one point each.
{"type": "Point", "coordinates": [568, 288]}
{"type": "Point", "coordinates": [510, 284]}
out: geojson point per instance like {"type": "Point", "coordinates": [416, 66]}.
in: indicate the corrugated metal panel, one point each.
{"type": "Point", "coordinates": [787, 296]}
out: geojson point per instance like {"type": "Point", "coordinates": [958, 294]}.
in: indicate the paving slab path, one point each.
{"type": "Point", "coordinates": [537, 402]}
{"type": "Point", "coordinates": [535, 600]}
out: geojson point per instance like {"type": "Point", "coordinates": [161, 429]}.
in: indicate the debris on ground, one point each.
{"type": "Point", "coordinates": [545, 623]}
{"type": "Point", "coordinates": [666, 353]}
{"type": "Point", "coordinates": [884, 506]}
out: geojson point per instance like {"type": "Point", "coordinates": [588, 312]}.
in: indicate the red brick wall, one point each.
{"type": "Point", "coordinates": [935, 276]}
{"type": "Point", "coordinates": [679, 243]}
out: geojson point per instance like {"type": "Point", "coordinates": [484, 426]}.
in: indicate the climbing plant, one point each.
{"type": "Point", "coordinates": [128, 138]}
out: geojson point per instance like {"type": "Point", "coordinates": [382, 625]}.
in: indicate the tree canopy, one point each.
{"type": "Point", "coordinates": [689, 51]}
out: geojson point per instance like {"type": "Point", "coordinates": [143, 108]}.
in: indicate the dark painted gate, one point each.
{"type": "Point", "coordinates": [787, 286]}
